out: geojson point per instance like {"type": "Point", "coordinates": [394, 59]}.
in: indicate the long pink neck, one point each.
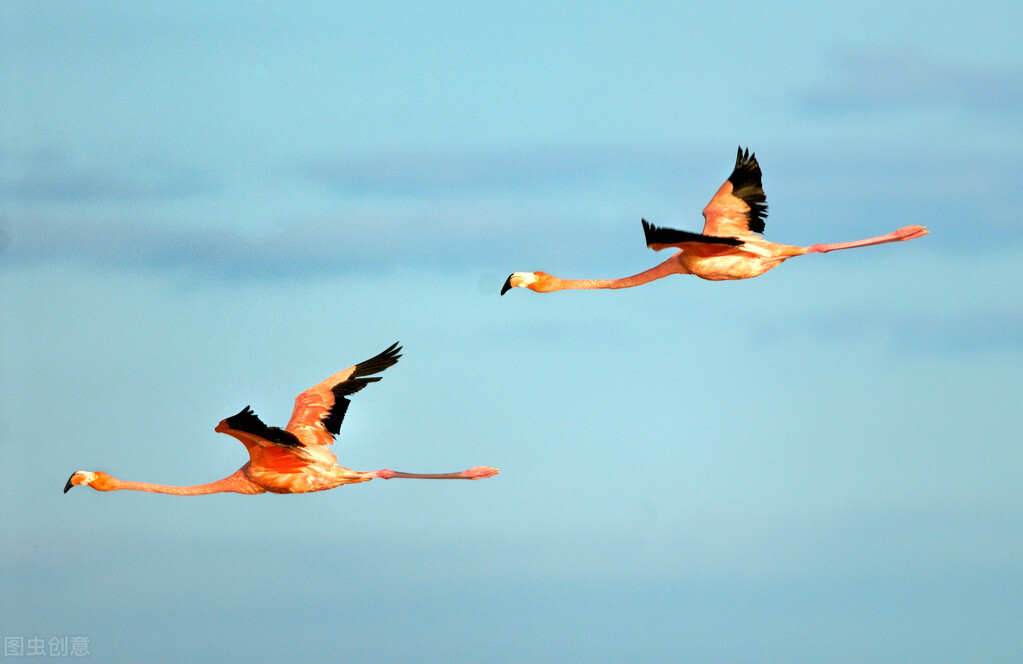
{"type": "Point", "coordinates": [236, 483]}
{"type": "Point", "coordinates": [670, 266]}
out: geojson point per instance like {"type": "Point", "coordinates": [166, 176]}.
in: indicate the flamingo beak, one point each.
{"type": "Point", "coordinates": [520, 280]}
{"type": "Point", "coordinates": [79, 477]}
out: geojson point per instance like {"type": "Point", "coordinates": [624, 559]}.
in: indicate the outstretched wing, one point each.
{"type": "Point", "coordinates": [739, 205]}
{"type": "Point", "coordinates": [658, 238]}
{"type": "Point", "coordinates": [269, 447]}
{"type": "Point", "coordinates": [320, 410]}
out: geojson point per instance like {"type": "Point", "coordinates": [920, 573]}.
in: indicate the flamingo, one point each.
{"type": "Point", "coordinates": [730, 246]}
{"type": "Point", "coordinates": [297, 458]}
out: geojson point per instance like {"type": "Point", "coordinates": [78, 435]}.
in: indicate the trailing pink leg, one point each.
{"type": "Point", "coordinates": [904, 233]}
{"type": "Point", "coordinates": [477, 473]}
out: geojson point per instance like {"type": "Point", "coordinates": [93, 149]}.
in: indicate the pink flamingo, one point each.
{"type": "Point", "coordinates": [297, 458]}
{"type": "Point", "coordinates": [730, 246]}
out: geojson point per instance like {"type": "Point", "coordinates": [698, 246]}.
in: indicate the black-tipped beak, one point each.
{"type": "Point", "coordinates": [69, 484]}
{"type": "Point", "coordinates": [507, 285]}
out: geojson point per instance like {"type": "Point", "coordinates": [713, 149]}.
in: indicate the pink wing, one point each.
{"type": "Point", "coordinates": [270, 448]}
{"type": "Point", "coordinates": [739, 205]}
{"type": "Point", "coordinates": [320, 410]}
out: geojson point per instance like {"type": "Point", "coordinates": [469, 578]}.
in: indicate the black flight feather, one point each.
{"type": "Point", "coordinates": [248, 422]}
{"type": "Point", "coordinates": [333, 419]}
{"type": "Point", "coordinates": [379, 362]}
{"type": "Point", "coordinates": [747, 185]}
{"type": "Point", "coordinates": [657, 235]}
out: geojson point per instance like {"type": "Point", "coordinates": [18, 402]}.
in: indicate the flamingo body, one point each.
{"type": "Point", "coordinates": [297, 458]}
{"type": "Point", "coordinates": [730, 246]}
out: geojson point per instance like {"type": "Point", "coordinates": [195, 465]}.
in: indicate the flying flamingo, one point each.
{"type": "Point", "coordinates": [297, 458]}
{"type": "Point", "coordinates": [730, 246]}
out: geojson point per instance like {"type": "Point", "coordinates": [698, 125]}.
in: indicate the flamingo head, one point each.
{"type": "Point", "coordinates": [532, 280]}
{"type": "Point", "coordinates": [98, 481]}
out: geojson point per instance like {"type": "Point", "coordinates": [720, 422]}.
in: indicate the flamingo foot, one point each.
{"type": "Point", "coordinates": [480, 472]}
{"type": "Point", "coordinates": [910, 232]}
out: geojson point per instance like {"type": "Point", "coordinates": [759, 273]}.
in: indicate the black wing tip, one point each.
{"type": "Point", "coordinates": [248, 422]}
{"type": "Point", "coordinates": [351, 386]}
{"type": "Point", "coordinates": [747, 170]}
{"type": "Point", "coordinates": [243, 415]}
{"type": "Point", "coordinates": [386, 358]}
{"type": "Point", "coordinates": [360, 378]}
{"type": "Point", "coordinates": [746, 160]}
{"type": "Point", "coordinates": [650, 231]}
{"type": "Point", "coordinates": [668, 236]}
{"type": "Point", "coordinates": [747, 184]}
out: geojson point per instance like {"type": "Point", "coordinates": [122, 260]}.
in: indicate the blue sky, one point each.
{"type": "Point", "coordinates": [203, 207]}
